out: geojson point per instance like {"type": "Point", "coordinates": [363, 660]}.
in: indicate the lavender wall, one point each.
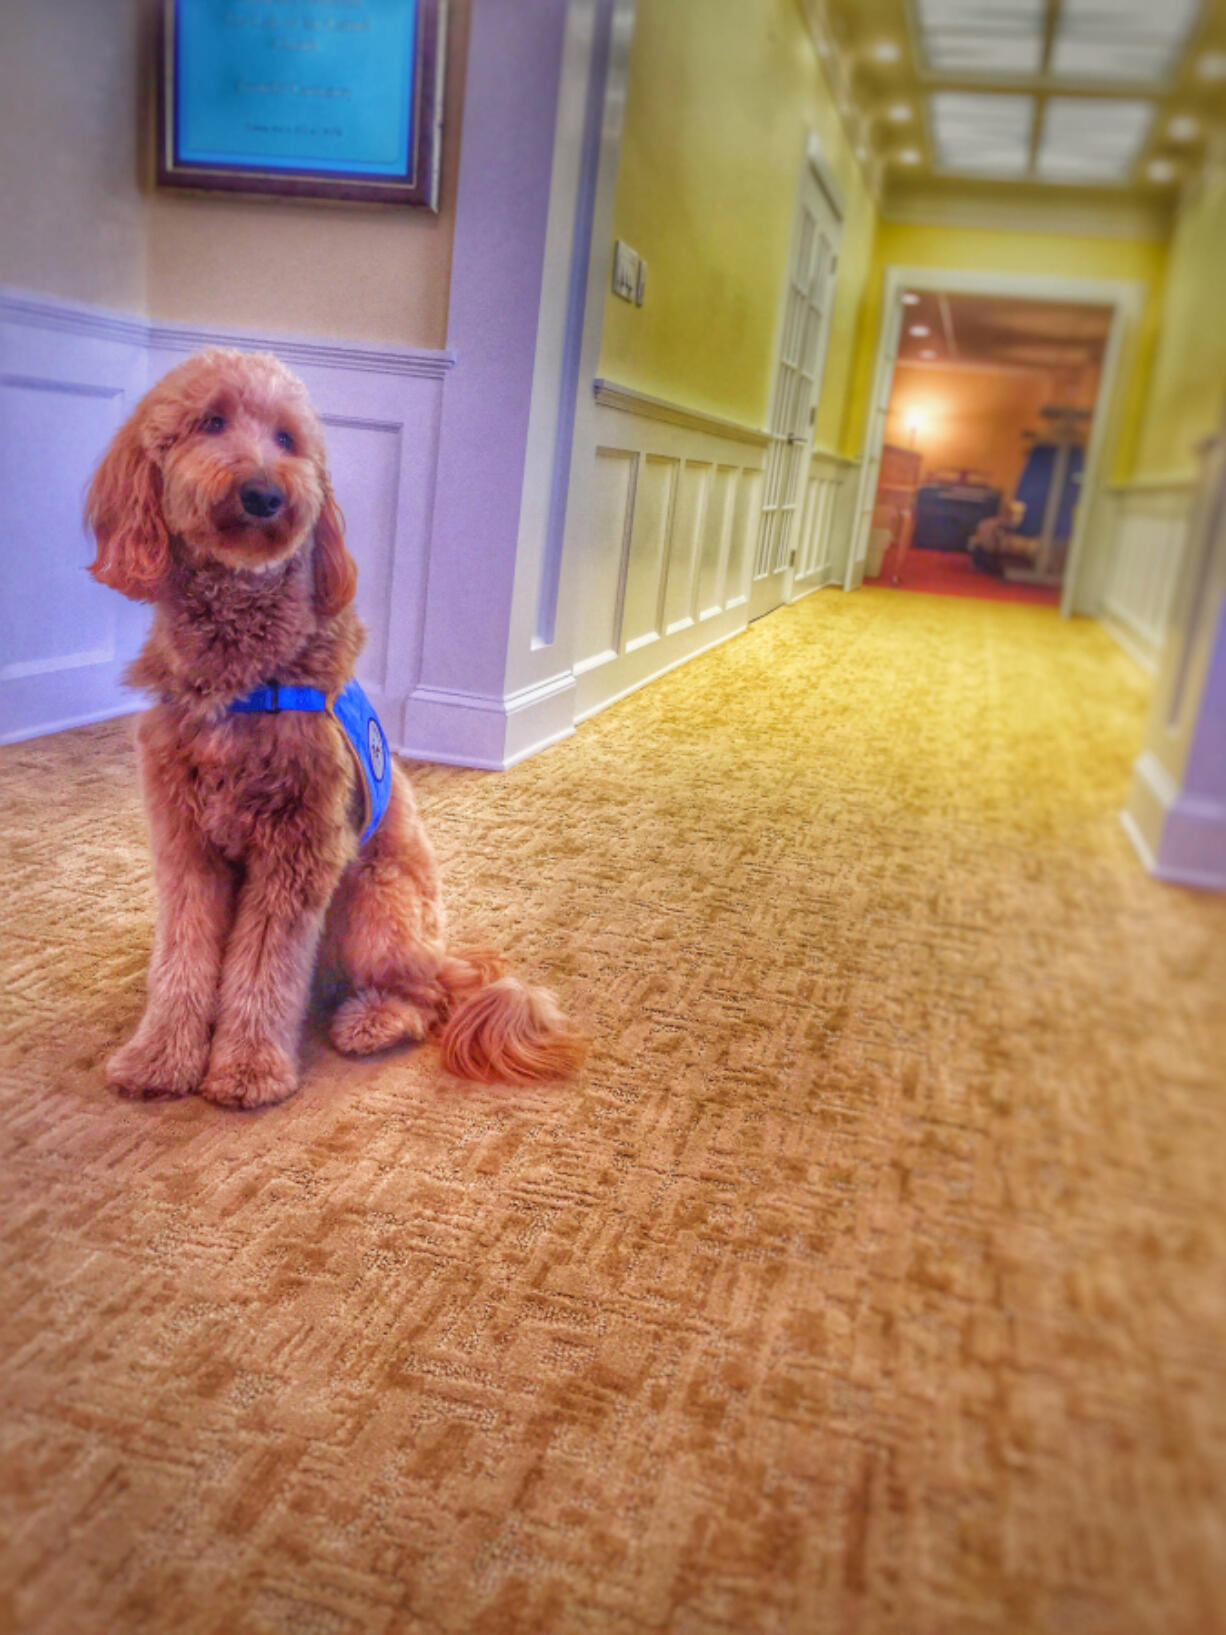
{"type": "Point", "coordinates": [514, 60]}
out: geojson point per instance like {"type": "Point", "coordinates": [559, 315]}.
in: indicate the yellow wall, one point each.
{"type": "Point", "coordinates": [1186, 392]}
{"type": "Point", "coordinates": [908, 244]}
{"type": "Point", "coordinates": [720, 95]}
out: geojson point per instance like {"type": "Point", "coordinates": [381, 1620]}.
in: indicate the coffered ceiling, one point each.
{"type": "Point", "coordinates": [941, 329]}
{"type": "Point", "coordinates": [1117, 97]}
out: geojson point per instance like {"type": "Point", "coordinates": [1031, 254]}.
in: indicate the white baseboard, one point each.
{"type": "Point", "coordinates": [462, 728]}
{"type": "Point", "coordinates": [827, 581]}
{"type": "Point", "coordinates": [89, 718]}
{"type": "Point", "coordinates": [1180, 838]}
{"type": "Point", "coordinates": [1123, 637]}
{"type": "Point", "coordinates": [605, 684]}
{"type": "Point", "coordinates": [1140, 845]}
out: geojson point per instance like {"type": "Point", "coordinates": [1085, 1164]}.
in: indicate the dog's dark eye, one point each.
{"type": "Point", "coordinates": [213, 424]}
{"type": "Point", "coordinates": [286, 441]}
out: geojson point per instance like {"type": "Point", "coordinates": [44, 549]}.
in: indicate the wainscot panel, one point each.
{"type": "Point", "coordinates": [676, 496]}
{"type": "Point", "coordinates": [1145, 532]}
{"type": "Point", "coordinates": [825, 524]}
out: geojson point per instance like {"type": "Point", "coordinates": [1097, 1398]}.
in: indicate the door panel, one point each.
{"type": "Point", "coordinates": [802, 342]}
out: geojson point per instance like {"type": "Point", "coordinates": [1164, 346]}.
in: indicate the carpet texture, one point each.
{"type": "Point", "coordinates": [872, 1278]}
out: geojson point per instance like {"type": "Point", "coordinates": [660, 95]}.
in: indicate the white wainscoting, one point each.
{"type": "Point", "coordinates": [1145, 528]}
{"type": "Point", "coordinates": [69, 376]}
{"type": "Point", "coordinates": [666, 564]}
{"type": "Point", "coordinates": [825, 524]}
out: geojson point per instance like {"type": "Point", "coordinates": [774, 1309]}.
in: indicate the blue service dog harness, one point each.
{"type": "Point", "coordinates": [364, 734]}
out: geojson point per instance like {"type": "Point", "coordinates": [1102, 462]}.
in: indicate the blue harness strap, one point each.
{"type": "Point", "coordinates": [364, 734]}
{"type": "Point", "coordinates": [274, 698]}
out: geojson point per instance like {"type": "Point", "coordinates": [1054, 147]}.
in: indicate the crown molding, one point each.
{"type": "Point", "coordinates": [1039, 211]}
{"type": "Point", "coordinates": [856, 123]}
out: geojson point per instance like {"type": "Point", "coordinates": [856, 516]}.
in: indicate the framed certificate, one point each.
{"type": "Point", "coordinates": [326, 99]}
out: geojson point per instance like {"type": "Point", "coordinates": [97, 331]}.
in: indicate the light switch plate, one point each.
{"type": "Point", "coordinates": [625, 270]}
{"type": "Point", "coordinates": [640, 283]}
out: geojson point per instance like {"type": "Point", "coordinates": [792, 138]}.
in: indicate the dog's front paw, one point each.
{"type": "Point", "coordinates": [157, 1065]}
{"type": "Point", "coordinates": [252, 1078]}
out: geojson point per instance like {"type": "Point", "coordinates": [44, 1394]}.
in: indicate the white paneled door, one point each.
{"type": "Point", "coordinates": [798, 371]}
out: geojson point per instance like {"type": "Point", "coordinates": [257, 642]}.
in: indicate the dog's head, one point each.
{"type": "Point", "coordinates": [226, 453]}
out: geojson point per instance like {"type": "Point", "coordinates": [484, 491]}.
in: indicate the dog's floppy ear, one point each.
{"type": "Point", "coordinates": [124, 510]}
{"type": "Point", "coordinates": [336, 573]}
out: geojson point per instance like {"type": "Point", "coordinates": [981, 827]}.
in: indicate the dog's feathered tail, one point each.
{"type": "Point", "coordinates": [500, 1031]}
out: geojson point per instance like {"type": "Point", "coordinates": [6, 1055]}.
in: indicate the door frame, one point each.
{"type": "Point", "coordinates": [816, 162]}
{"type": "Point", "coordinates": [1125, 297]}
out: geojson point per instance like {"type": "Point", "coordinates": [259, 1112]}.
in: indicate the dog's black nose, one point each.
{"type": "Point", "coordinates": [261, 499]}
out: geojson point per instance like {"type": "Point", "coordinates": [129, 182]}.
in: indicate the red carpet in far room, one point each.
{"type": "Point", "coordinates": [952, 573]}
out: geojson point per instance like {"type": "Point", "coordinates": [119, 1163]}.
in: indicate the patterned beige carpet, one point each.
{"type": "Point", "coordinates": [871, 1280]}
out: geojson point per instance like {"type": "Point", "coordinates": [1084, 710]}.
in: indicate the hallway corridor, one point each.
{"type": "Point", "coordinates": [870, 1279]}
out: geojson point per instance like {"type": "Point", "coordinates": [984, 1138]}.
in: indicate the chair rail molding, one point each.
{"type": "Point", "coordinates": [632, 401]}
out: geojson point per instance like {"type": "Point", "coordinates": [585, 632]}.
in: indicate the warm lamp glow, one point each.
{"type": "Point", "coordinates": [917, 419]}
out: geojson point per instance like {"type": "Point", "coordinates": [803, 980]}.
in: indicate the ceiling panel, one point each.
{"type": "Point", "coordinates": [1120, 40]}
{"type": "Point", "coordinates": [981, 134]}
{"type": "Point", "coordinates": [922, 55]}
{"type": "Point", "coordinates": [1091, 139]}
{"type": "Point", "coordinates": [982, 36]}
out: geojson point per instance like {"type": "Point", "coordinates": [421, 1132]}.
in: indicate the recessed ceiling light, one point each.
{"type": "Point", "coordinates": [1183, 128]}
{"type": "Point", "coordinates": [910, 299]}
{"type": "Point", "coordinates": [898, 113]}
{"type": "Point", "coordinates": [928, 352]}
{"type": "Point", "coordinates": [1211, 65]}
{"type": "Point", "coordinates": [886, 51]}
{"type": "Point", "coordinates": [1160, 170]}
{"type": "Point", "coordinates": [908, 156]}
{"type": "Point", "coordinates": [919, 329]}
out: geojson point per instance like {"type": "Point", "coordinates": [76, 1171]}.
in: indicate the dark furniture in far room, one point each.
{"type": "Point", "coordinates": [947, 513]}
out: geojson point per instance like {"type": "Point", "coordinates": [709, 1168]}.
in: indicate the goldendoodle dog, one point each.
{"type": "Point", "coordinates": [277, 815]}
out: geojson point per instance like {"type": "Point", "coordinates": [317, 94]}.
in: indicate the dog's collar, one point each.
{"type": "Point", "coordinates": [364, 734]}
{"type": "Point", "coordinates": [273, 698]}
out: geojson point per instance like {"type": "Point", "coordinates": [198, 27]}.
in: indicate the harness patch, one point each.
{"type": "Point", "coordinates": [364, 733]}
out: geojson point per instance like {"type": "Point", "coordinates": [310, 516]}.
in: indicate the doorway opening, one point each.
{"type": "Point", "coordinates": [990, 408]}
